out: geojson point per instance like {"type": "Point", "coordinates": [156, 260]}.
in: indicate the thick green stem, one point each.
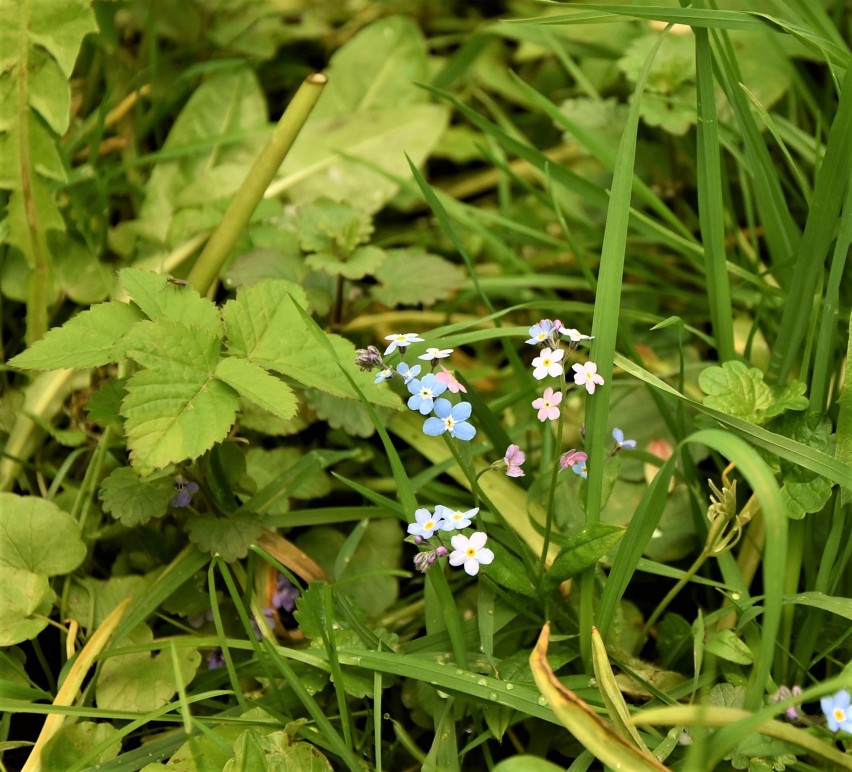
{"type": "Point", "coordinates": [210, 261]}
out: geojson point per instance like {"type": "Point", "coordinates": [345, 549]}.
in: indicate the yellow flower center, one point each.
{"type": "Point", "coordinates": [839, 714]}
{"type": "Point", "coordinates": [429, 525]}
{"type": "Point", "coordinates": [470, 552]}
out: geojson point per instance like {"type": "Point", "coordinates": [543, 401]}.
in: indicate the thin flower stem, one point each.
{"type": "Point", "coordinates": [551, 494]}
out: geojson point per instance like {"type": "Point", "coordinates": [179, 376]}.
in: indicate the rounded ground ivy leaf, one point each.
{"type": "Point", "coordinates": [37, 536]}
{"type": "Point", "coordinates": [25, 600]}
{"type": "Point", "coordinates": [133, 499]}
{"type": "Point", "coordinates": [229, 537]}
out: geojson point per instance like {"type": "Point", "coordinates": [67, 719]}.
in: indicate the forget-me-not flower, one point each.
{"type": "Point", "coordinates": [548, 363]}
{"type": "Point", "coordinates": [587, 375]}
{"type": "Point", "coordinates": [450, 418]}
{"type": "Point", "coordinates": [513, 460]}
{"type": "Point", "coordinates": [407, 372]}
{"type": "Point", "coordinates": [454, 519]}
{"type": "Point", "coordinates": [401, 340]}
{"type": "Point", "coordinates": [425, 523]}
{"type": "Point", "coordinates": [423, 392]}
{"type": "Point", "coordinates": [470, 552]}
{"type": "Point", "coordinates": [543, 331]}
{"type": "Point", "coordinates": [432, 354]}
{"type": "Point", "coordinates": [620, 442]}
{"type": "Point", "coordinates": [835, 707]}
{"type": "Point", "coordinates": [546, 405]}
{"type": "Point", "coordinates": [453, 384]}
{"type": "Point", "coordinates": [383, 375]}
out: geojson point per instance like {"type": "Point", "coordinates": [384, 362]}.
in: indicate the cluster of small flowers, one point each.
{"type": "Point", "coordinates": [425, 392]}
{"type": "Point", "coordinates": [469, 552]}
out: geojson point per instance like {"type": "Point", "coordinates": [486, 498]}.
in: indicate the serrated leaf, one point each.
{"type": "Point", "coordinates": [88, 339]}
{"type": "Point", "coordinates": [141, 682]}
{"type": "Point", "coordinates": [802, 498]}
{"type": "Point", "coordinates": [176, 409]}
{"type": "Point", "coordinates": [37, 536]}
{"type": "Point", "coordinates": [264, 325]}
{"type": "Point", "coordinates": [40, 42]}
{"type": "Point", "coordinates": [740, 391]}
{"type": "Point", "coordinates": [582, 551]}
{"type": "Point", "coordinates": [253, 383]}
{"type": "Point", "coordinates": [362, 262]}
{"type": "Point", "coordinates": [132, 499]}
{"type": "Point", "coordinates": [727, 645]}
{"type": "Point", "coordinates": [161, 299]}
{"type": "Point", "coordinates": [25, 601]}
{"type": "Point", "coordinates": [310, 610]}
{"type": "Point", "coordinates": [229, 536]}
{"type": "Point", "coordinates": [332, 226]}
{"type": "Point", "coordinates": [437, 278]}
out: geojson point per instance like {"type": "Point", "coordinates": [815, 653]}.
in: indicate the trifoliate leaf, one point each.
{"type": "Point", "coordinates": [264, 325]}
{"type": "Point", "coordinates": [142, 682]}
{"type": "Point", "coordinates": [436, 278]}
{"type": "Point", "coordinates": [37, 536]}
{"type": "Point", "coordinates": [229, 537]}
{"type": "Point", "coordinates": [25, 601]}
{"type": "Point", "coordinates": [802, 498]}
{"type": "Point", "coordinates": [740, 391]}
{"type": "Point", "coordinates": [358, 264]}
{"type": "Point", "coordinates": [73, 741]}
{"type": "Point", "coordinates": [332, 227]}
{"type": "Point", "coordinates": [177, 409]}
{"type": "Point", "coordinates": [133, 499]}
{"type": "Point", "coordinates": [161, 299]}
{"type": "Point", "coordinates": [86, 340]}
{"type": "Point", "coordinates": [254, 383]}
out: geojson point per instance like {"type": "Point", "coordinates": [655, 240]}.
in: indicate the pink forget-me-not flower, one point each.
{"type": "Point", "coordinates": [513, 460]}
{"type": "Point", "coordinates": [587, 375]}
{"type": "Point", "coordinates": [546, 405]}
{"type": "Point", "coordinates": [453, 383]}
{"type": "Point", "coordinates": [470, 552]}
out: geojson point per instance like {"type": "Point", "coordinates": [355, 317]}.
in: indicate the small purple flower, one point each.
{"type": "Point", "coordinates": [215, 659]}
{"type": "Point", "coordinates": [620, 442]}
{"type": "Point", "coordinates": [368, 358]}
{"type": "Point", "coordinates": [450, 418]}
{"type": "Point", "coordinates": [571, 458]}
{"type": "Point", "coordinates": [185, 491]}
{"type": "Point", "coordinates": [513, 460]}
{"type": "Point", "coordinates": [285, 594]}
{"type": "Point", "coordinates": [423, 392]}
{"type": "Point", "coordinates": [784, 693]}
{"type": "Point", "coordinates": [423, 561]}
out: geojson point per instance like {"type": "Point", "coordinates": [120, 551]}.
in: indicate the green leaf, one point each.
{"type": "Point", "coordinates": [360, 263]}
{"type": "Point", "coordinates": [141, 682]}
{"type": "Point", "coordinates": [37, 536]}
{"type": "Point", "coordinates": [229, 536]}
{"type": "Point", "coordinates": [86, 340]}
{"type": "Point", "coordinates": [345, 414]}
{"type": "Point", "coordinates": [582, 551]}
{"type": "Point", "coordinates": [264, 466]}
{"type": "Point", "coordinates": [509, 572]}
{"type": "Point", "coordinates": [437, 278]}
{"type": "Point", "coordinates": [332, 227]}
{"type": "Point", "coordinates": [25, 601]}
{"type": "Point", "coordinates": [310, 608]}
{"type": "Point", "coordinates": [253, 383]}
{"type": "Point", "coordinates": [208, 153]}
{"type": "Point", "coordinates": [104, 406]}
{"type": "Point", "coordinates": [92, 600]}
{"type": "Point", "coordinates": [802, 498]}
{"type": "Point", "coordinates": [276, 752]}
{"type": "Point", "coordinates": [177, 409]}
{"type": "Point", "coordinates": [264, 325]}
{"type": "Point", "coordinates": [161, 299]}
{"type": "Point", "coordinates": [40, 42]}
{"type": "Point", "coordinates": [134, 500]}
{"type": "Point", "coordinates": [73, 741]}
{"type": "Point", "coordinates": [727, 645]}
{"type": "Point", "coordinates": [740, 391]}
{"type": "Point", "coordinates": [527, 763]}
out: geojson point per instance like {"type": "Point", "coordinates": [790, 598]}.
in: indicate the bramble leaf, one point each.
{"type": "Point", "coordinates": [176, 409]}
{"type": "Point", "coordinates": [740, 391]}
{"type": "Point", "coordinates": [142, 682]}
{"type": "Point", "coordinates": [37, 536]}
{"type": "Point", "coordinates": [88, 339]}
{"type": "Point", "coordinates": [135, 500]}
{"type": "Point", "coordinates": [264, 325]}
{"type": "Point", "coordinates": [254, 383]}
{"type": "Point", "coordinates": [161, 299]}
{"type": "Point", "coordinates": [437, 278]}
{"type": "Point", "coordinates": [229, 536]}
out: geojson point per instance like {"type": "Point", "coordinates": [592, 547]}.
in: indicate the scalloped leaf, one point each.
{"type": "Point", "coordinates": [141, 682]}
{"type": "Point", "coordinates": [132, 499]}
{"type": "Point", "coordinates": [230, 537]}
{"type": "Point", "coordinates": [88, 339]}
{"type": "Point", "coordinates": [805, 497]}
{"type": "Point", "coordinates": [25, 601]}
{"type": "Point", "coordinates": [360, 263]}
{"type": "Point", "coordinates": [160, 298]}
{"type": "Point", "coordinates": [740, 391]}
{"type": "Point", "coordinates": [37, 536]}
{"type": "Point", "coordinates": [436, 280]}
{"type": "Point", "coordinates": [176, 409]}
{"type": "Point", "coordinates": [264, 325]}
{"type": "Point", "coordinates": [332, 226]}
{"type": "Point", "coordinates": [255, 384]}
{"type": "Point", "coordinates": [40, 42]}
